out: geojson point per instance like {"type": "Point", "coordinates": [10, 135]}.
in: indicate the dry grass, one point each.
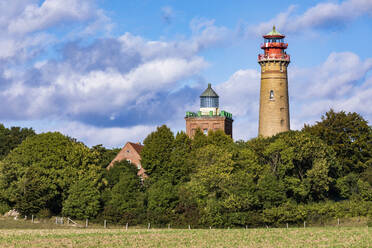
{"type": "Point", "coordinates": [281, 237]}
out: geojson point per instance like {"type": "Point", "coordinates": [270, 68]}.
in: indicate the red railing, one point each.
{"type": "Point", "coordinates": [274, 45]}
{"type": "Point", "coordinates": [263, 57]}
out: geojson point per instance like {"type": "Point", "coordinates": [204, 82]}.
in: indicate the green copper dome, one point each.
{"type": "Point", "coordinates": [209, 92]}
{"type": "Point", "coordinates": [274, 33]}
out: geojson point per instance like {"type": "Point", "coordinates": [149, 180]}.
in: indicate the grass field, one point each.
{"type": "Point", "coordinates": [22, 233]}
{"type": "Point", "coordinates": [281, 237]}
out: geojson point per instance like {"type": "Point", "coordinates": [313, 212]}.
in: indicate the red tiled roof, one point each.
{"type": "Point", "coordinates": [136, 147]}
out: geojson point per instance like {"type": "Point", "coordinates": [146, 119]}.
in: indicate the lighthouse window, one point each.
{"type": "Point", "coordinates": [271, 95]}
{"type": "Point", "coordinates": [209, 102]}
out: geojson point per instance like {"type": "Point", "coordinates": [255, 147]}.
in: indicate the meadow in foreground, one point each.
{"type": "Point", "coordinates": [279, 237]}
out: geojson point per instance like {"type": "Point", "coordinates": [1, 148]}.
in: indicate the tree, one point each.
{"type": "Point", "coordinates": [11, 138]}
{"type": "Point", "coordinates": [219, 138]}
{"type": "Point", "coordinates": [33, 192]}
{"type": "Point", "coordinates": [209, 184]}
{"type": "Point", "coordinates": [161, 201]}
{"type": "Point", "coordinates": [199, 140]}
{"type": "Point", "coordinates": [270, 191]}
{"type": "Point", "coordinates": [105, 156]}
{"type": "Point", "coordinates": [155, 155]}
{"type": "Point", "coordinates": [303, 163]}
{"type": "Point", "coordinates": [51, 162]}
{"type": "Point", "coordinates": [180, 163]}
{"type": "Point", "coordinates": [350, 137]}
{"type": "Point", "coordinates": [125, 198]}
{"type": "Point", "coordinates": [83, 200]}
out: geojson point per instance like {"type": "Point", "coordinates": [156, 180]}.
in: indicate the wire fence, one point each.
{"type": "Point", "coordinates": [68, 222]}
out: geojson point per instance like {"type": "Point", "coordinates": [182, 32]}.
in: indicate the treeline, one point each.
{"type": "Point", "coordinates": [323, 171]}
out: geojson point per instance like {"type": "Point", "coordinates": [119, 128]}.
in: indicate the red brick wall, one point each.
{"type": "Point", "coordinates": [128, 153]}
{"type": "Point", "coordinates": [210, 123]}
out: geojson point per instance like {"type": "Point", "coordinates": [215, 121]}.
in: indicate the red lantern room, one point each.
{"type": "Point", "coordinates": [274, 47]}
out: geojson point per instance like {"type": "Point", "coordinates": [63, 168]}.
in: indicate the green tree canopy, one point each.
{"type": "Point", "coordinates": [51, 162]}
{"type": "Point", "coordinates": [155, 155]}
{"type": "Point", "coordinates": [11, 138]}
{"type": "Point", "coordinates": [350, 137]}
{"type": "Point", "coordinates": [83, 200]}
{"type": "Point", "coordinates": [303, 163]}
{"type": "Point", "coordinates": [125, 197]}
{"type": "Point", "coordinates": [105, 156]}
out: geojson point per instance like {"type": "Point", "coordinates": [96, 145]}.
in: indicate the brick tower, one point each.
{"type": "Point", "coordinates": [209, 117]}
{"type": "Point", "coordinates": [274, 106]}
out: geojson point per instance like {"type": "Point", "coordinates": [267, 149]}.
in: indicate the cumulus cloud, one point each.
{"type": "Point", "coordinates": [338, 82]}
{"type": "Point", "coordinates": [62, 90]}
{"type": "Point", "coordinates": [51, 12]}
{"type": "Point", "coordinates": [26, 24]}
{"type": "Point", "coordinates": [110, 136]}
{"type": "Point", "coordinates": [120, 81]}
{"type": "Point", "coordinates": [240, 93]}
{"type": "Point", "coordinates": [322, 15]}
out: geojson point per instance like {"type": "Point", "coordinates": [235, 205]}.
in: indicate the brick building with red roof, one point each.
{"type": "Point", "coordinates": [132, 153]}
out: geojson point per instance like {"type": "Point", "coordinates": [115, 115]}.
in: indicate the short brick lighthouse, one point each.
{"type": "Point", "coordinates": [274, 104]}
{"type": "Point", "coordinates": [209, 117]}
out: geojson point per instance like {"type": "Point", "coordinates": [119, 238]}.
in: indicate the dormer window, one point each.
{"type": "Point", "coordinates": [271, 95]}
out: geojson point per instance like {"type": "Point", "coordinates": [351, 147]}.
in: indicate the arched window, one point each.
{"type": "Point", "coordinates": [271, 95]}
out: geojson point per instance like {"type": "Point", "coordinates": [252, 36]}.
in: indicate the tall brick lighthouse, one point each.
{"type": "Point", "coordinates": [274, 106]}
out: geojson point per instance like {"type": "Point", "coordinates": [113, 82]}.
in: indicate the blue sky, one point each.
{"type": "Point", "coordinates": [111, 71]}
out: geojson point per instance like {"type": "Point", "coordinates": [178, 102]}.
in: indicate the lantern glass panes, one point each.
{"type": "Point", "coordinates": [209, 102]}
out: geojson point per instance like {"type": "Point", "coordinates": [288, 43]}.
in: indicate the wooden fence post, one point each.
{"type": "Point", "coordinates": [287, 225]}
{"type": "Point", "coordinates": [32, 218]}
{"type": "Point", "coordinates": [126, 226]}
{"type": "Point", "coordinates": [304, 224]}
{"type": "Point", "coordinates": [104, 223]}
{"type": "Point", "coordinates": [86, 222]}
{"type": "Point", "coordinates": [148, 226]}
{"type": "Point", "coordinates": [168, 226]}
{"type": "Point", "coordinates": [338, 221]}
{"type": "Point", "coordinates": [189, 227]}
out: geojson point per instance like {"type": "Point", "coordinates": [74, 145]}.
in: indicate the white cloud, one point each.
{"type": "Point", "coordinates": [51, 12]}
{"type": "Point", "coordinates": [109, 76]}
{"type": "Point", "coordinates": [107, 90]}
{"type": "Point", "coordinates": [341, 83]}
{"type": "Point", "coordinates": [334, 78]}
{"type": "Point", "coordinates": [240, 93]}
{"type": "Point", "coordinates": [328, 14]}
{"type": "Point", "coordinates": [25, 24]}
{"type": "Point", "coordinates": [108, 136]}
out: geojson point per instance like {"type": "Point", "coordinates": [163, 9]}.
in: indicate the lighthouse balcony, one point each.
{"type": "Point", "coordinates": [274, 45]}
{"type": "Point", "coordinates": [273, 57]}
